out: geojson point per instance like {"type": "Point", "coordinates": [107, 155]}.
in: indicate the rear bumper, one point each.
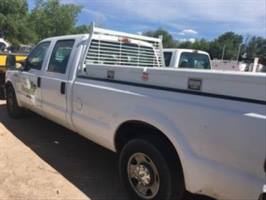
{"type": "Point", "coordinates": [2, 85]}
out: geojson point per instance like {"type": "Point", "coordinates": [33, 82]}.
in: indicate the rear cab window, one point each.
{"type": "Point", "coordinates": [194, 61]}
{"type": "Point", "coordinates": [121, 53]}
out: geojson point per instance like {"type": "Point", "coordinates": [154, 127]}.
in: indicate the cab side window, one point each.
{"type": "Point", "coordinates": [35, 59]}
{"type": "Point", "coordinates": [60, 56]}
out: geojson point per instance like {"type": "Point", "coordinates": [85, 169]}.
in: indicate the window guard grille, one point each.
{"type": "Point", "coordinates": [123, 49]}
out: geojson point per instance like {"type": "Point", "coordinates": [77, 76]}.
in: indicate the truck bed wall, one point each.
{"type": "Point", "coordinates": [239, 85]}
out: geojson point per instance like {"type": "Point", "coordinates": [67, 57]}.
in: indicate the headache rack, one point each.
{"type": "Point", "coordinates": [109, 47]}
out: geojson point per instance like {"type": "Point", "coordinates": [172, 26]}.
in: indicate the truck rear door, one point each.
{"type": "Point", "coordinates": [55, 81]}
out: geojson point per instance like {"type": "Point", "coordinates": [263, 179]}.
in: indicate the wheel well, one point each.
{"type": "Point", "coordinates": [137, 129]}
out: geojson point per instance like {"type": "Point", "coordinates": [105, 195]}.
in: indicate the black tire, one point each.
{"type": "Point", "coordinates": [13, 109]}
{"type": "Point", "coordinates": [171, 184]}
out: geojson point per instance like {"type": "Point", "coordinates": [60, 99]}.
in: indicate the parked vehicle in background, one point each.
{"type": "Point", "coordinates": [187, 59]}
{"type": "Point", "coordinates": [6, 56]}
{"type": "Point", "coordinates": [234, 65]}
{"type": "Point", "coordinates": [174, 130]}
{"type": "Point", "coordinates": [228, 65]}
{"type": "Point", "coordinates": [3, 45]}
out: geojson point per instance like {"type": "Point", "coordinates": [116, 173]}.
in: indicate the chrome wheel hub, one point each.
{"type": "Point", "coordinates": [143, 175]}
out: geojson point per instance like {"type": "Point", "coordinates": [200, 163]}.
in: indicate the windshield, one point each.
{"type": "Point", "coordinates": [194, 61]}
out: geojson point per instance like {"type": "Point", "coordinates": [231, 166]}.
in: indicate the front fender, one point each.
{"type": "Point", "coordinates": [12, 78]}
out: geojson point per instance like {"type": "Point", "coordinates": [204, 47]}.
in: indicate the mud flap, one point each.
{"type": "Point", "coordinates": [2, 86]}
{"type": "Point", "coordinates": [2, 92]}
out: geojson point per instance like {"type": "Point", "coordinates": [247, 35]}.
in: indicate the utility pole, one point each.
{"type": "Point", "coordinates": [223, 52]}
{"type": "Point", "coordinates": [238, 52]}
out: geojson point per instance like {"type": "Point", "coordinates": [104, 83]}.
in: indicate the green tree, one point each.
{"type": "Point", "coordinates": [256, 47]}
{"type": "Point", "coordinates": [14, 25]}
{"type": "Point", "coordinates": [216, 49]}
{"type": "Point", "coordinates": [168, 41]}
{"type": "Point", "coordinates": [81, 29]}
{"type": "Point", "coordinates": [50, 18]}
{"type": "Point", "coordinates": [202, 44]}
{"type": "Point", "coordinates": [185, 45]}
{"type": "Point", "coordinates": [230, 41]}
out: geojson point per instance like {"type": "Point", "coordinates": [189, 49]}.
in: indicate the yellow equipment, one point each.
{"type": "Point", "coordinates": [3, 59]}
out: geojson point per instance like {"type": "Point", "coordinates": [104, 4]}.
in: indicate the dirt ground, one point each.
{"type": "Point", "coordinates": [40, 160]}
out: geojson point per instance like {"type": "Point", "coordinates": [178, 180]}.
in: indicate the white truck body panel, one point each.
{"type": "Point", "coordinates": [218, 127]}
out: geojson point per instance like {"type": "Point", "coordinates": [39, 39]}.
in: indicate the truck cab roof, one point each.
{"type": "Point", "coordinates": [66, 37]}
{"type": "Point", "coordinates": [185, 50]}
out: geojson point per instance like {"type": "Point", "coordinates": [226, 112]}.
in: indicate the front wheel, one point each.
{"type": "Point", "coordinates": [146, 174]}
{"type": "Point", "coordinates": [13, 109]}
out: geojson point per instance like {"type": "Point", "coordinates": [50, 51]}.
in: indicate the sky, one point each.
{"type": "Point", "coordinates": [184, 19]}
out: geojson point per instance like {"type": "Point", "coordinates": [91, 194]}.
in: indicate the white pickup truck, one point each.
{"type": "Point", "coordinates": [174, 129]}
{"type": "Point", "coordinates": [187, 59]}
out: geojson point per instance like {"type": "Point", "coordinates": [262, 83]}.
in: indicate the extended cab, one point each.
{"type": "Point", "coordinates": [187, 59]}
{"type": "Point", "coordinates": [174, 129]}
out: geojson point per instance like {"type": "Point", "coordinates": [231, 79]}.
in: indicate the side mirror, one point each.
{"type": "Point", "coordinates": [12, 64]}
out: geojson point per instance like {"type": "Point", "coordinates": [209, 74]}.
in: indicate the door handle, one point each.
{"type": "Point", "coordinates": [63, 88]}
{"type": "Point", "coordinates": [39, 80]}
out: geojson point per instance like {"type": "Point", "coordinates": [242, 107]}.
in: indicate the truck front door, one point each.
{"type": "Point", "coordinates": [29, 82]}
{"type": "Point", "coordinates": [55, 81]}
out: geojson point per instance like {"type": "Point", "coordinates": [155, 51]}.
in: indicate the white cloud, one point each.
{"type": "Point", "coordinates": [236, 15]}
{"type": "Point", "coordinates": [188, 32]}
{"type": "Point", "coordinates": [248, 13]}
{"type": "Point", "coordinates": [225, 10]}
{"type": "Point", "coordinates": [192, 40]}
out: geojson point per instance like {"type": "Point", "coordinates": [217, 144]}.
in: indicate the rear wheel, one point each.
{"type": "Point", "coordinates": [13, 109]}
{"type": "Point", "coordinates": [146, 173]}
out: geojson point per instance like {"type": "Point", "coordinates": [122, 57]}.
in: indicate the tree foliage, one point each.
{"type": "Point", "coordinates": [50, 18]}
{"type": "Point", "coordinates": [81, 29]}
{"type": "Point", "coordinates": [14, 21]}
{"type": "Point", "coordinates": [256, 47]}
{"type": "Point", "coordinates": [230, 42]}
{"type": "Point", "coordinates": [168, 40]}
